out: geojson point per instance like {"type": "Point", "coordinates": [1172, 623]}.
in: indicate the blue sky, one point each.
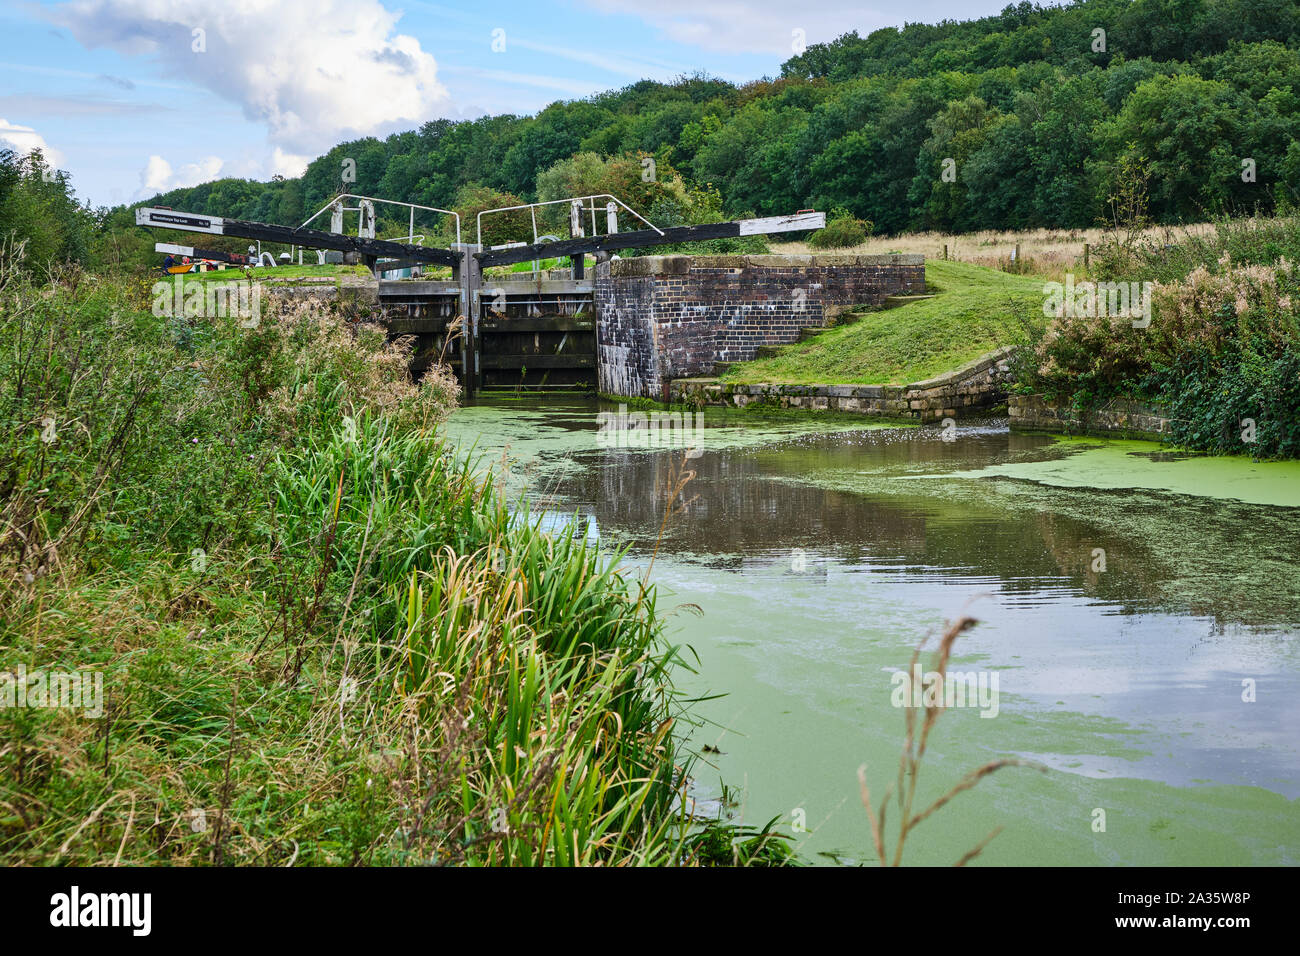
{"type": "Point", "coordinates": [132, 96]}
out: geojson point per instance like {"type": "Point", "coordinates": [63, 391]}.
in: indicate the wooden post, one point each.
{"type": "Point", "coordinates": [470, 275]}
{"type": "Point", "coordinates": [575, 219]}
{"type": "Point", "coordinates": [1085, 255]}
{"type": "Point", "coordinates": [576, 232]}
{"type": "Point", "coordinates": [945, 250]}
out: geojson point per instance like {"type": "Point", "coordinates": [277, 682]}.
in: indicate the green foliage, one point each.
{"type": "Point", "coordinates": [1188, 131]}
{"type": "Point", "coordinates": [324, 638]}
{"type": "Point", "coordinates": [1242, 401]}
{"type": "Point", "coordinates": [588, 174]}
{"type": "Point", "coordinates": [84, 369]}
{"type": "Point", "coordinates": [39, 212]}
{"type": "Point", "coordinates": [499, 227]}
{"type": "Point", "coordinates": [843, 230]}
{"type": "Point", "coordinates": [1223, 345]}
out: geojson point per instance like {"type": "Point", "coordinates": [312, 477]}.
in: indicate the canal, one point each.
{"type": "Point", "coordinates": [1139, 613]}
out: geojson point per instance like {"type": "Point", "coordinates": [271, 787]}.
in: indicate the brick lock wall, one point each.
{"type": "Point", "coordinates": [661, 318]}
{"type": "Point", "coordinates": [626, 353]}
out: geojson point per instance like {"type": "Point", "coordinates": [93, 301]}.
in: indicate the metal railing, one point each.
{"type": "Point", "coordinates": [391, 202]}
{"type": "Point", "coordinates": [532, 208]}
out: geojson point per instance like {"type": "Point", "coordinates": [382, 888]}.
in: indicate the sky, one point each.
{"type": "Point", "coordinates": [136, 96]}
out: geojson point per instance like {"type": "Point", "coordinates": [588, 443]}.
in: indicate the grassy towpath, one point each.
{"type": "Point", "coordinates": [975, 311]}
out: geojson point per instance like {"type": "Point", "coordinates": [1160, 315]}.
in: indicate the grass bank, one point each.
{"type": "Point", "coordinates": [319, 638]}
{"type": "Point", "coordinates": [975, 311]}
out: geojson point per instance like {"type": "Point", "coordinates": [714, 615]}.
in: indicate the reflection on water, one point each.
{"type": "Point", "coordinates": [1121, 619]}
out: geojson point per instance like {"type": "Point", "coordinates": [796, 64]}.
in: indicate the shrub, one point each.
{"type": "Point", "coordinates": [331, 368]}
{"type": "Point", "coordinates": [1222, 347]}
{"type": "Point", "coordinates": [122, 423]}
{"type": "Point", "coordinates": [842, 231]}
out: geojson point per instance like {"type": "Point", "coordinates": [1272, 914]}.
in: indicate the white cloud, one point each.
{"type": "Point", "coordinates": [288, 165]}
{"type": "Point", "coordinates": [314, 71]}
{"type": "Point", "coordinates": [756, 26]}
{"type": "Point", "coordinates": [158, 175]}
{"type": "Point", "coordinates": [24, 139]}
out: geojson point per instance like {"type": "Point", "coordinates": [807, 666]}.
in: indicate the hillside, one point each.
{"type": "Point", "coordinates": [1034, 108]}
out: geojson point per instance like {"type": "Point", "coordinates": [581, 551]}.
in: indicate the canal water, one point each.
{"type": "Point", "coordinates": [1139, 617]}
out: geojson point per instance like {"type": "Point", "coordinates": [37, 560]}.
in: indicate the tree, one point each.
{"type": "Point", "coordinates": [1188, 128]}
{"type": "Point", "coordinates": [39, 209]}
{"type": "Point", "coordinates": [498, 228]}
{"type": "Point", "coordinates": [939, 189]}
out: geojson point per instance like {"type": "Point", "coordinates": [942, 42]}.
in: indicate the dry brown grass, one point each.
{"type": "Point", "coordinates": [1046, 252]}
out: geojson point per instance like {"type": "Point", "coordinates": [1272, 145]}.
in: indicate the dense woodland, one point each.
{"type": "Point", "coordinates": [1036, 110]}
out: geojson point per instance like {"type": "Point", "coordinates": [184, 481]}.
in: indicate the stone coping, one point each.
{"type": "Point", "coordinates": [681, 265]}
{"type": "Point", "coordinates": [972, 367]}
{"type": "Point", "coordinates": [955, 376]}
{"type": "Point", "coordinates": [1117, 418]}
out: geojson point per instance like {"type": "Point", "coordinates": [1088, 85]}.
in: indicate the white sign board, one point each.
{"type": "Point", "coordinates": [185, 221]}
{"type": "Point", "coordinates": [174, 249]}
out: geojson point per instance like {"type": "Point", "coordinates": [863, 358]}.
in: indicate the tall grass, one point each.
{"type": "Point", "coordinates": [1170, 256]}
{"type": "Point", "coordinates": [531, 673]}
{"type": "Point", "coordinates": [1047, 253]}
{"type": "Point", "coordinates": [325, 639]}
